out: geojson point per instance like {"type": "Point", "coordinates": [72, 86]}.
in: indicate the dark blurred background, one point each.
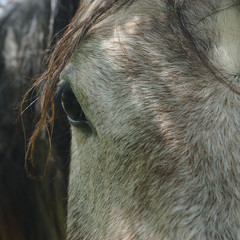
{"type": "Point", "coordinates": [30, 209]}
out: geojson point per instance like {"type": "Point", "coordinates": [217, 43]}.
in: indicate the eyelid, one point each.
{"type": "Point", "coordinates": [62, 85]}
{"type": "Point", "coordinates": [65, 86]}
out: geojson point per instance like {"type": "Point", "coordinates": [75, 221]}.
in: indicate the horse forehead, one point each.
{"type": "Point", "coordinates": [107, 37]}
{"type": "Point", "coordinates": [122, 25]}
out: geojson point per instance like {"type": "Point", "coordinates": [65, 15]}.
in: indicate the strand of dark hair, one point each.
{"type": "Point", "coordinates": [59, 57]}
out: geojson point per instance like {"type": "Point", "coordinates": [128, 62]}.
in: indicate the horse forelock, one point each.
{"type": "Point", "coordinates": [90, 13]}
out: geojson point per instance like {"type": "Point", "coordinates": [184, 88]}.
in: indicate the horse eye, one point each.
{"type": "Point", "coordinates": [71, 107]}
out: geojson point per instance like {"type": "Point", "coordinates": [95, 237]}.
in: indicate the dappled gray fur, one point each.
{"type": "Point", "coordinates": [158, 81]}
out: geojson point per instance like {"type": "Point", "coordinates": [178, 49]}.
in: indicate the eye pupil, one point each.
{"type": "Point", "coordinates": [71, 106]}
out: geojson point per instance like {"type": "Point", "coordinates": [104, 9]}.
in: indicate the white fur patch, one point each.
{"type": "Point", "coordinates": [228, 48]}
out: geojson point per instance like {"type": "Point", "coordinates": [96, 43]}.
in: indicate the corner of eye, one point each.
{"type": "Point", "coordinates": [62, 83]}
{"type": "Point", "coordinates": [60, 86]}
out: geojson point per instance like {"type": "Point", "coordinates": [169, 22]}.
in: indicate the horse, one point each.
{"type": "Point", "coordinates": [151, 92]}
